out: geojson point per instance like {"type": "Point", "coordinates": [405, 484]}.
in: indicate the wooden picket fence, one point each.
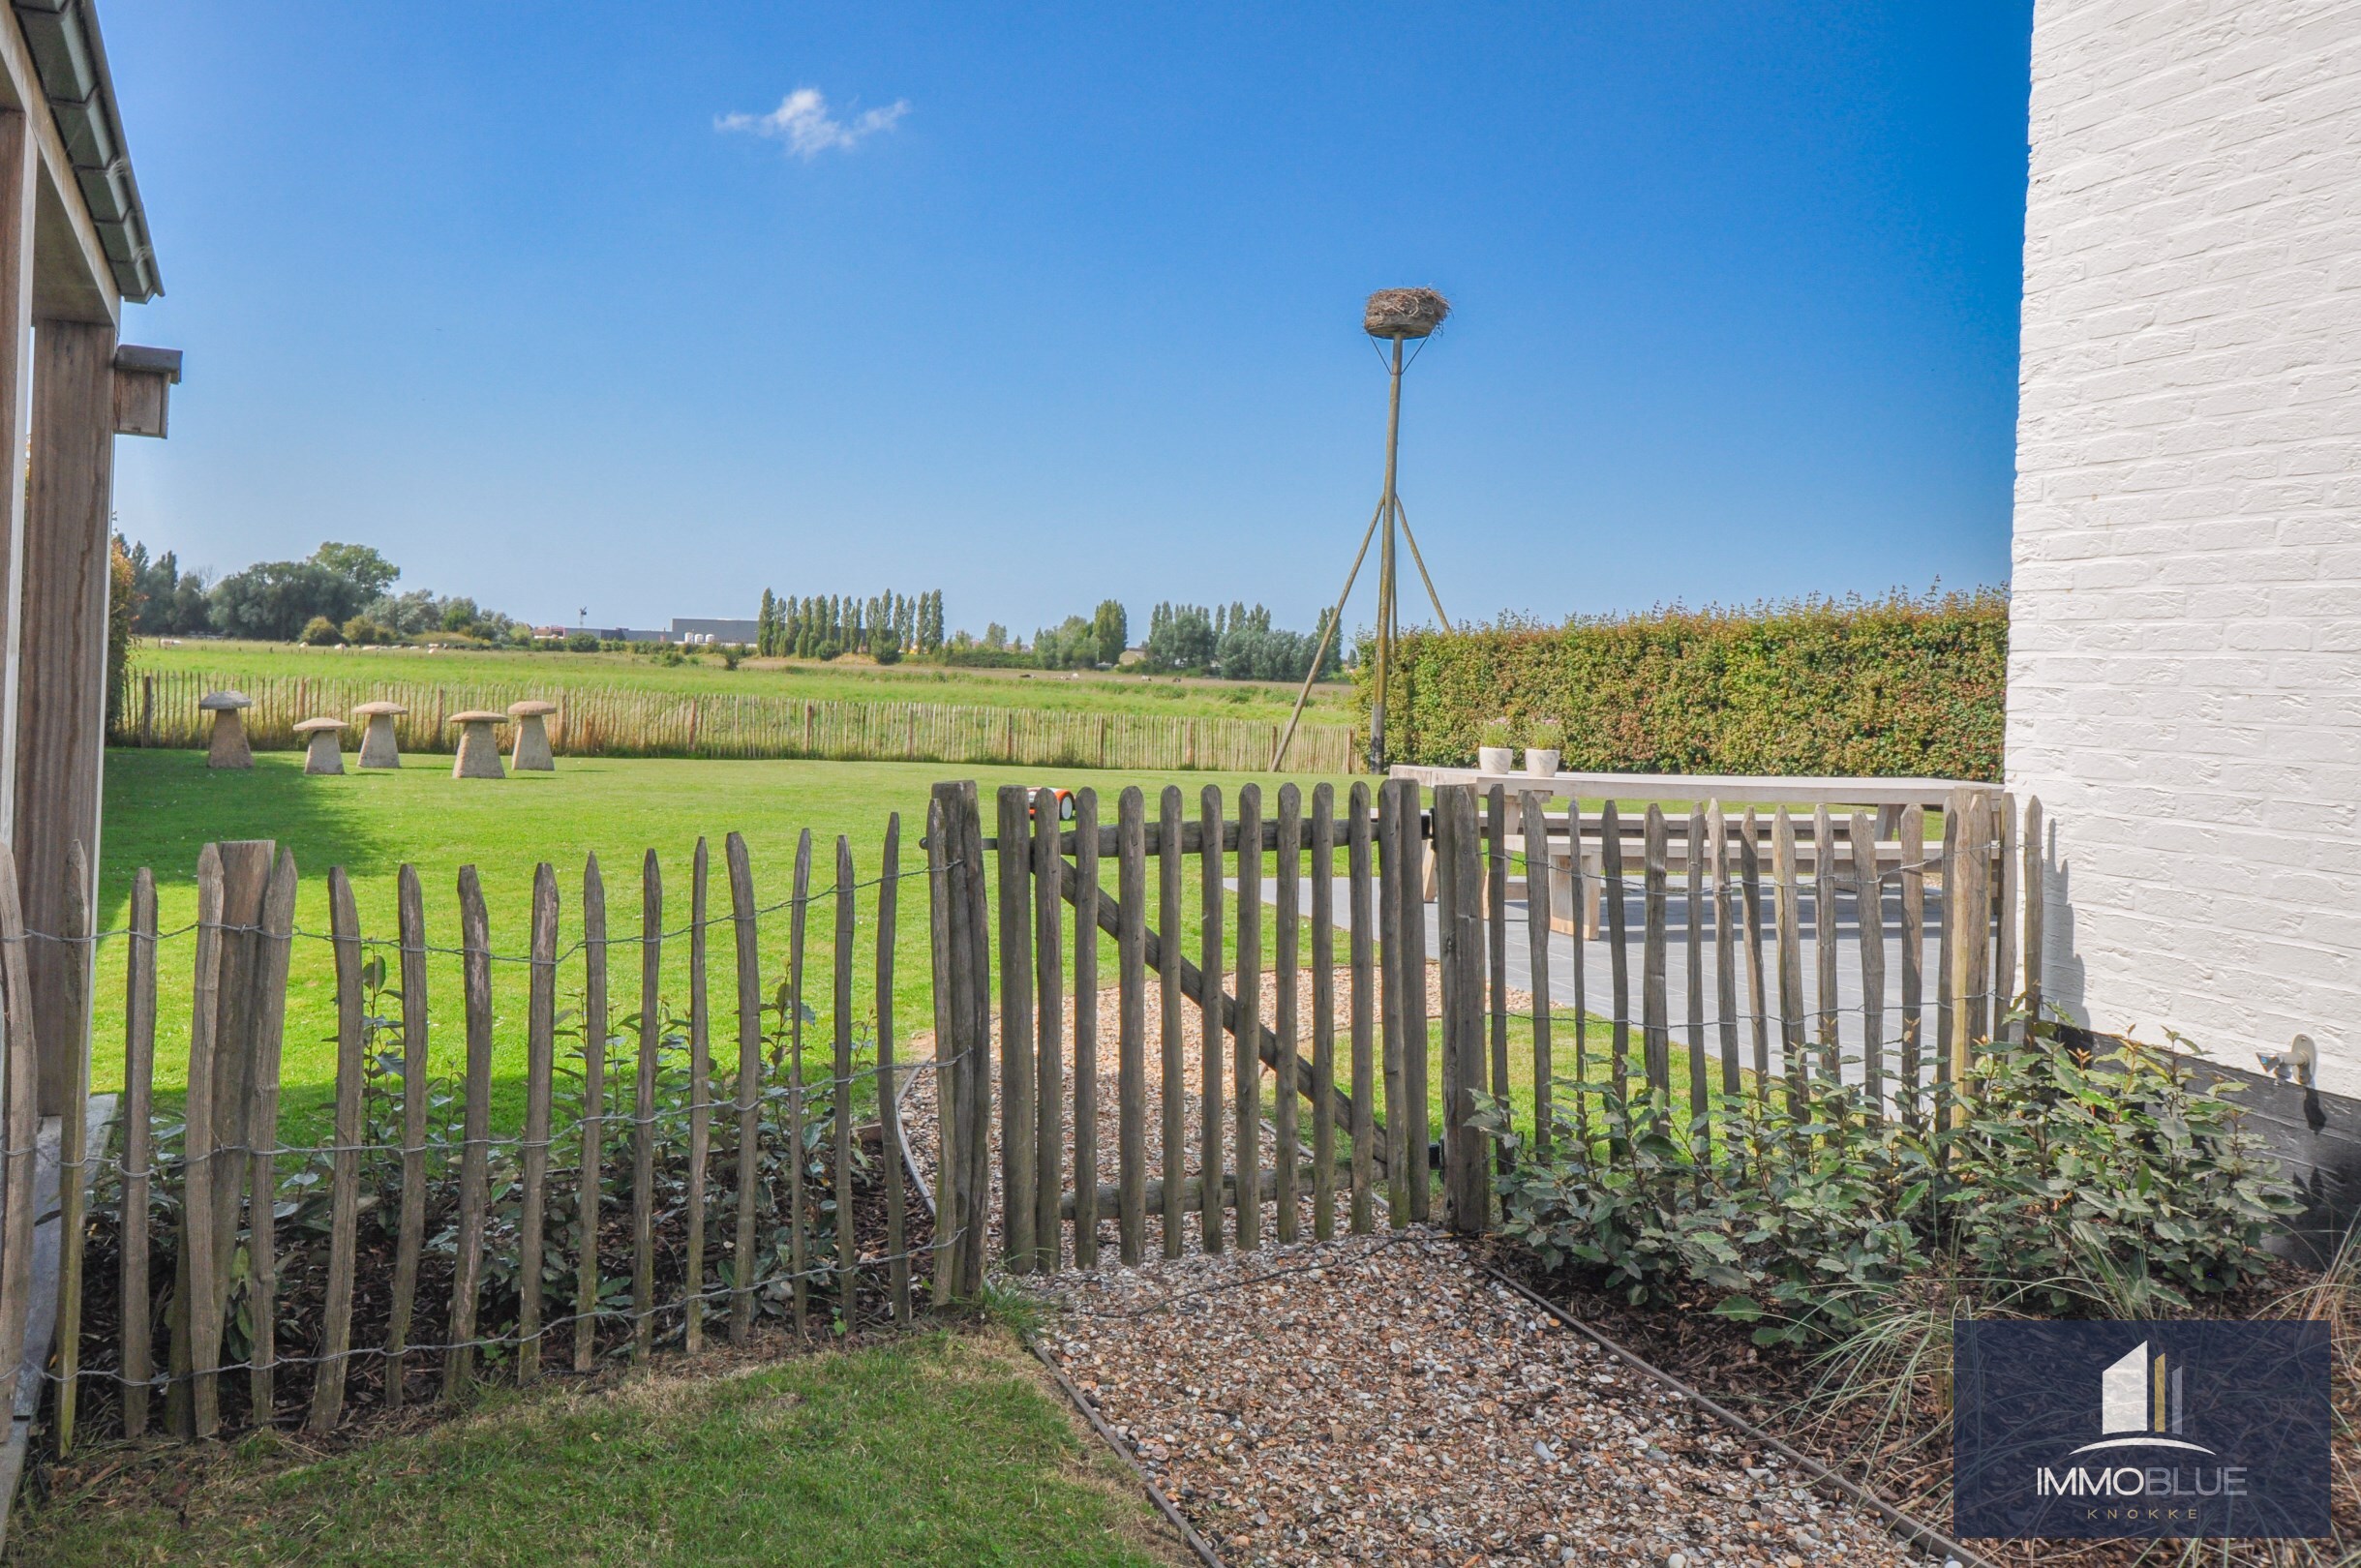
{"type": "Point", "coordinates": [650, 1190]}
{"type": "Point", "coordinates": [160, 709]}
{"type": "Point", "coordinates": [1748, 1020]}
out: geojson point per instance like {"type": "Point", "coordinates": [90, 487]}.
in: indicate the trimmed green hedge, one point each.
{"type": "Point", "coordinates": [1902, 687]}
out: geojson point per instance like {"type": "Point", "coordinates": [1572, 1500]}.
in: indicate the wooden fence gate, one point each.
{"type": "Point", "coordinates": [1219, 1061]}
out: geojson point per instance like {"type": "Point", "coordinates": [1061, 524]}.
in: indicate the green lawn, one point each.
{"type": "Point", "coordinates": [1095, 691]}
{"type": "Point", "coordinates": [939, 1448]}
{"type": "Point", "coordinates": [162, 807]}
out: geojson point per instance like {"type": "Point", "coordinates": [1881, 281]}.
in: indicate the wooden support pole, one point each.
{"type": "Point", "coordinates": [20, 187]}
{"type": "Point", "coordinates": [61, 684]}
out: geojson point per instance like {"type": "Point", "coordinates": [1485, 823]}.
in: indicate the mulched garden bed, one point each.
{"type": "Point", "coordinates": [302, 1289]}
{"type": "Point", "coordinates": [1908, 1462]}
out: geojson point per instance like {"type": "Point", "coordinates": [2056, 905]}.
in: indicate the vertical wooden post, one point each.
{"type": "Point", "coordinates": [1392, 1001]}
{"type": "Point", "coordinates": [139, 1150]}
{"type": "Point", "coordinates": [345, 1164]}
{"type": "Point", "coordinates": [1323, 1012]}
{"type": "Point", "coordinates": [1411, 892]}
{"type": "Point", "coordinates": [799, 1220]}
{"type": "Point", "coordinates": [1132, 1024]}
{"type": "Point", "coordinates": [1496, 939]}
{"type": "Point", "coordinates": [2004, 988]}
{"type": "Point", "coordinates": [246, 870]}
{"type": "Point", "coordinates": [73, 1178]}
{"type": "Point", "coordinates": [1048, 1031]}
{"type": "Point", "coordinates": [889, 1087]}
{"type": "Point", "coordinates": [1656, 1007]}
{"type": "Point", "coordinates": [1086, 896]}
{"type": "Point", "coordinates": [1693, 928]}
{"type": "Point", "coordinates": [1971, 914]}
{"type": "Point", "coordinates": [1018, 1111]}
{"type": "Point", "coordinates": [1869, 911]}
{"type": "Point", "coordinates": [1287, 934]}
{"type": "Point", "coordinates": [1789, 956]}
{"type": "Point", "coordinates": [540, 1071]}
{"type": "Point", "coordinates": [1538, 877]}
{"type": "Point", "coordinates": [267, 1012]}
{"type": "Point", "coordinates": [2035, 893]}
{"type": "Point", "coordinates": [1209, 1008]}
{"type": "Point", "coordinates": [1619, 949]}
{"type": "Point", "coordinates": [1170, 865]}
{"type": "Point", "coordinates": [475, 1130]}
{"type": "Point", "coordinates": [21, 1050]}
{"type": "Point", "coordinates": [643, 1107]}
{"type": "Point", "coordinates": [410, 1237]}
{"type": "Point", "coordinates": [593, 1181]}
{"type": "Point", "coordinates": [1750, 880]}
{"type": "Point", "coordinates": [19, 187]}
{"type": "Point", "coordinates": [60, 645]}
{"type": "Point", "coordinates": [1913, 834]}
{"type": "Point", "coordinates": [1826, 1012]}
{"type": "Point", "coordinates": [950, 1088]}
{"type": "Point", "coordinates": [841, 1091]}
{"type": "Point", "coordinates": [750, 1085]}
{"type": "Point", "coordinates": [1245, 1060]}
{"type": "Point", "coordinates": [1459, 883]}
{"type": "Point", "coordinates": [1947, 1019]}
{"type": "Point", "coordinates": [1578, 893]}
{"type": "Point", "coordinates": [700, 1098]}
{"type": "Point", "coordinates": [1720, 899]}
{"type": "Point", "coordinates": [1362, 940]}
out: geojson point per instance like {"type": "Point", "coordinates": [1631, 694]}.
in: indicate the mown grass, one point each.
{"type": "Point", "coordinates": [939, 1448]}
{"type": "Point", "coordinates": [1103, 691]}
{"type": "Point", "coordinates": [163, 806]}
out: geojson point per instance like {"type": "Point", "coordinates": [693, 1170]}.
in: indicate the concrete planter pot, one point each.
{"type": "Point", "coordinates": [1540, 764]}
{"type": "Point", "coordinates": [1495, 759]}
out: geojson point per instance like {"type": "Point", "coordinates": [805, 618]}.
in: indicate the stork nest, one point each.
{"type": "Point", "coordinates": [1404, 313]}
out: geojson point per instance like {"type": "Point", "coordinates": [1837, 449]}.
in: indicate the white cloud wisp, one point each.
{"type": "Point", "coordinates": [804, 124]}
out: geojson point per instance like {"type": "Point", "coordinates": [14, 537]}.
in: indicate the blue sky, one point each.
{"type": "Point", "coordinates": [1042, 306]}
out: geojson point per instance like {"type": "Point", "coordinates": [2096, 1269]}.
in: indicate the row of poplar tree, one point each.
{"type": "Point", "coordinates": [885, 625]}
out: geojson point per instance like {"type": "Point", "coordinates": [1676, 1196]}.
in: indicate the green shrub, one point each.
{"type": "Point", "coordinates": [2114, 1185]}
{"type": "Point", "coordinates": [322, 632]}
{"type": "Point", "coordinates": [582, 642]}
{"type": "Point", "coordinates": [1901, 685]}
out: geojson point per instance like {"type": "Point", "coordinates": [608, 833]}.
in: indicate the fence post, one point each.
{"type": "Point", "coordinates": [1459, 886]}
{"type": "Point", "coordinates": [963, 1082]}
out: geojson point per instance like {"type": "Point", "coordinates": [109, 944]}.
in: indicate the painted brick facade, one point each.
{"type": "Point", "coordinates": [2185, 662]}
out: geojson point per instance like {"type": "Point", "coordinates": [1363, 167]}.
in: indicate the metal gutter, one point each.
{"type": "Point", "coordinates": [63, 36]}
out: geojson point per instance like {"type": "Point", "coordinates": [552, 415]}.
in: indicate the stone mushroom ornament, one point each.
{"type": "Point", "coordinates": [321, 752]}
{"type": "Point", "coordinates": [479, 752]}
{"type": "Point", "coordinates": [378, 747]}
{"type": "Point", "coordinates": [528, 748]}
{"type": "Point", "coordinates": [228, 748]}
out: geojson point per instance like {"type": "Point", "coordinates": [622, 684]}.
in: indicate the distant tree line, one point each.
{"type": "Point", "coordinates": [339, 593]}
{"type": "Point", "coordinates": [884, 626]}
{"type": "Point", "coordinates": [1236, 644]}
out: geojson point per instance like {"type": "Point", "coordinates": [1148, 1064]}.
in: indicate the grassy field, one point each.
{"type": "Point", "coordinates": [942, 1448]}
{"type": "Point", "coordinates": [163, 806]}
{"type": "Point", "coordinates": [843, 680]}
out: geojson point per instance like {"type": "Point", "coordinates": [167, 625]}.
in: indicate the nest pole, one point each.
{"type": "Point", "coordinates": [1401, 315]}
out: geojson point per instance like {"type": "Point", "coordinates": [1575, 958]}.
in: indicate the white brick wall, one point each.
{"type": "Point", "coordinates": [2184, 659]}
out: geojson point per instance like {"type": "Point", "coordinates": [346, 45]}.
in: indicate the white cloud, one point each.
{"type": "Point", "coordinates": [803, 123]}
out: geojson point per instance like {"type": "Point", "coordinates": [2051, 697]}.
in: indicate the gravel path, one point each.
{"type": "Point", "coordinates": [1377, 1399]}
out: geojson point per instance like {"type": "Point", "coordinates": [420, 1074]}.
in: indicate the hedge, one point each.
{"type": "Point", "coordinates": [1902, 685]}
